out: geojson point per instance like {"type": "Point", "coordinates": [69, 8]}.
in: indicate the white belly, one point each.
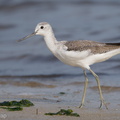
{"type": "Point", "coordinates": [83, 59]}
{"type": "Point", "coordinates": [71, 58]}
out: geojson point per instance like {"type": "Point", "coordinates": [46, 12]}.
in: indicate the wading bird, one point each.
{"type": "Point", "coordinates": [78, 53]}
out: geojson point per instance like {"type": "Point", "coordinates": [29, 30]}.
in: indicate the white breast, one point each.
{"type": "Point", "coordinates": [82, 59]}
{"type": "Point", "coordinates": [72, 58]}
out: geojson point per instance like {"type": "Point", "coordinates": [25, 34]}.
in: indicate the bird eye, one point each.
{"type": "Point", "coordinates": [41, 27]}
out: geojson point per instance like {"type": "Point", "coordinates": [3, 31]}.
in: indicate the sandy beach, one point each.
{"type": "Point", "coordinates": [48, 98]}
{"type": "Point", "coordinates": [85, 113]}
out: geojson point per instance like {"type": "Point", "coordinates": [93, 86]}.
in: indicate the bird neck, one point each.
{"type": "Point", "coordinates": [51, 41]}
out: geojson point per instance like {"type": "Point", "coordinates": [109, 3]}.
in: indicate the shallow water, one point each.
{"type": "Point", "coordinates": [30, 60]}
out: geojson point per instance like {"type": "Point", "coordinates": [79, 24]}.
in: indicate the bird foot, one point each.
{"type": "Point", "coordinates": [103, 103]}
{"type": "Point", "coordinates": [81, 105]}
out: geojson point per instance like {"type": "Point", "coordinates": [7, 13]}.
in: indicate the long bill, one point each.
{"type": "Point", "coordinates": [32, 34]}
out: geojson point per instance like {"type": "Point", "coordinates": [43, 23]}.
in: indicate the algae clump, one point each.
{"type": "Point", "coordinates": [16, 105]}
{"type": "Point", "coordinates": [68, 112]}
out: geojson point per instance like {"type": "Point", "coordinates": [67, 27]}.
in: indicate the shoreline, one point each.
{"type": "Point", "coordinates": [46, 96]}
{"type": "Point", "coordinates": [37, 112]}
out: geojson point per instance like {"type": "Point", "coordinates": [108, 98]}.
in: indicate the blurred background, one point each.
{"type": "Point", "coordinates": [97, 20]}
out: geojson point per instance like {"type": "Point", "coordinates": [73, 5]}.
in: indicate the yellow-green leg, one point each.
{"type": "Point", "coordinates": [99, 88]}
{"type": "Point", "coordinates": [85, 88]}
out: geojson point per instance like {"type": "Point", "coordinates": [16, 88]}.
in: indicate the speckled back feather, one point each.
{"type": "Point", "coordinates": [95, 47]}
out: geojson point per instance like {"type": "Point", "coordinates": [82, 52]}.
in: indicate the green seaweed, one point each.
{"type": "Point", "coordinates": [26, 103]}
{"type": "Point", "coordinates": [68, 112]}
{"type": "Point", "coordinates": [16, 105]}
{"type": "Point", "coordinates": [13, 108]}
{"type": "Point", "coordinates": [23, 102]}
{"type": "Point", "coordinates": [62, 93]}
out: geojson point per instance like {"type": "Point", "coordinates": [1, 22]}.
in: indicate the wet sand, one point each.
{"type": "Point", "coordinates": [47, 97]}
{"type": "Point", "coordinates": [37, 113]}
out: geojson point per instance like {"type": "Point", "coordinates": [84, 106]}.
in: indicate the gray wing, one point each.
{"type": "Point", "coordinates": [95, 47]}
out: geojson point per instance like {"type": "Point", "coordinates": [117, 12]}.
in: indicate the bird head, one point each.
{"type": "Point", "coordinates": [42, 29]}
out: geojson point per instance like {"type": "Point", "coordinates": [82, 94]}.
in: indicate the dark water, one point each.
{"type": "Point", "coordinates": [91, 20]}
{"type": "Point", "coordinates": [97, 20]}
